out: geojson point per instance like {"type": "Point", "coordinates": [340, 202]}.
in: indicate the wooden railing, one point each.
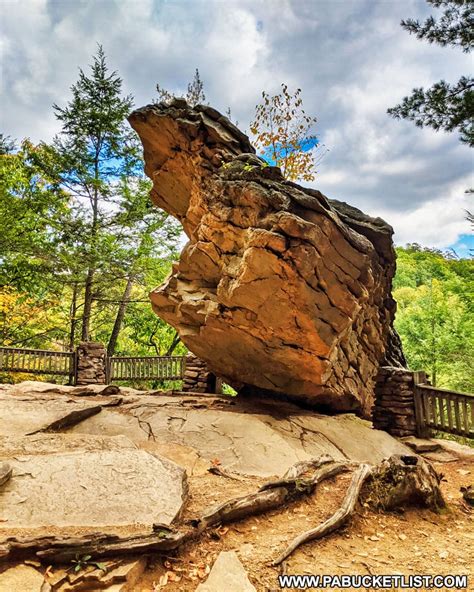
{"type": "Point", "coordinates": [48, 362]}
{"type": "Point", "coordinates": [444, 411]}
{"type": "Point", "coordinates": [146, 368]}
{"type": "Point", "coordinates": [36, 361]}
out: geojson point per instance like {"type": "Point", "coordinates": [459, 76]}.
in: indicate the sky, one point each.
{"type": "Point", "coordinates": [351, 59]}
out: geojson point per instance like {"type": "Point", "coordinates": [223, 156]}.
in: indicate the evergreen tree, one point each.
{"type": "Point", "coordinates": [96, 148]}
{"type": "Point", "coordinates": [194, 95]}
{"type": "Point", "coordinates": [7, 145]}
{"type": "Point", "coordinates": [97, 160]}
{"type": "Point", "coordinates": [444, 106]}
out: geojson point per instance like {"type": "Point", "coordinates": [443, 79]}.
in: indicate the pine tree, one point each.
{"type": "Point", "coordinates": [96, 148]}
{"type": "Point", "coordinates": [194, 95]}
{"type": "Point", "coordinates": [444, 106]}
{"type": "Point", "coordinates": [7, 145]}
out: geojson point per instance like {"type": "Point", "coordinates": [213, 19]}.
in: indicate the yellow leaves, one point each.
{"type": "Point", "coordinates": [282, 129]}
{"type": "Point", "coordinates": [22, 316]}
{"type": "Point", "coordinates": [15, 306]}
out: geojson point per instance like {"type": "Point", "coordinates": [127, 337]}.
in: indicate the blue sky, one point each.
{"type": "Point", "coordinates": [306, 145]}
{"type": "Point", "coordinates": [464, 246]}
{"type": "Point", "coordinates": [351, 59]}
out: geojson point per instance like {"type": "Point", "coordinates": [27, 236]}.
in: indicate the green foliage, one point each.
{"type": "Point", "coordinates": [444, 106]}
{"type": "Point", "coordinates": [228, 390]}
{"type": "Point", "coordinates": [35, 247]}
{"type": "Point", "coordinates": [455, 26]}
{"type": "Point", "coordinates": [80, 242]}
{"type": "Point", "coordinates": [83, 561]}
{"type": "Point", "coordinates": [435, 315]}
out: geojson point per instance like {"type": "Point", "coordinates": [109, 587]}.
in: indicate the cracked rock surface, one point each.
{"type": "Point", "coordinates": [127, 466]}
{"type": "Point", "coordinates": [100, 482]}
{"type": "Point", "coordinates": [259, 437]}
{"type": "Point", "coordinates": [98, 489]}
{"type": "Point", "coordinates": [279, 289]}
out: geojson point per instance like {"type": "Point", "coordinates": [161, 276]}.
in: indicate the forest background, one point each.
{"type": "Point", "coordinates": [81, 245]}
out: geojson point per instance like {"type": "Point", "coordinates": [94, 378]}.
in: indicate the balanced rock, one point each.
{"type": "Point", "coordinates": [278, 289]}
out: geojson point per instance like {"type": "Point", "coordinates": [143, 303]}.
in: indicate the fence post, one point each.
{"type": "Point", "coordinates": [197, 377]}
{"type": "Point", "coordinates": [108, 368]}
{"type": "Point", "coordinates": [394, 409]}
{"type": "Point", "coordinates": [419, 377]}
{"type": "Point", "coordinates": [91, 363]}
{"type": "Point", "coordinates": [73, 372]}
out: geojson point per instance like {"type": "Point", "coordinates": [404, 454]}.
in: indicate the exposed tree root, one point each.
{"type": "Point", "coordinates": [396, 481]}
{"type": "Point", "coordinates": [338, 519]}
{"type": "Point", "coordinates": [297, 470]}
{"type": "Point", "coordinates": [271, 496]}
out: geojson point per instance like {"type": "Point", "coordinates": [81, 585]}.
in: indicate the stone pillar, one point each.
{"type": "Point", "coordinates": [198, 378]}
{"type": "Point", "coordinates": [394, 409]}
{"type": "Point", "coordinates": [91, 363]}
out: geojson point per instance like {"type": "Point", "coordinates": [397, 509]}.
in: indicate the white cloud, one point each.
{"type": "Point", "coordinates": [352, 60]}
{"type": "Point", "coordinates": [435, 223]}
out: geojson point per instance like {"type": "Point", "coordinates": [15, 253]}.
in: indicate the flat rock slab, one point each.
{"type": "Point", "coordinates": [421, 445]}
{"type": "Point", "coordinates": [459, 451]}
{"type": "Point", "coordinates": [94, 489]}
{"type": "Point", "coordinates": [439, 450]}
{"type": "Point", "coordinates": [253, 437]}
{"type": "Point", "coordinates": [21, 578]}
{"type": "Point", "coordinates": [261, 439]}
{"type": "Point", "coordinates": [49, 443]}
{"type": "Point", "coordinates": [24, 413]}
{"type": "Point", "coordinates": [112, 422]}
{"type": "Point", "coordinates": [38, 387]}
{"type": "Point", "coordinates": [227, 573]}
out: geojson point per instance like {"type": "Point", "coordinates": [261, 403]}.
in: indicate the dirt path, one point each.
{"type": "Point", "coordinates": [412, 542]}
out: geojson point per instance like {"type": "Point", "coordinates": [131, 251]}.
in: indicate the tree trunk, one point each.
{"type": "Point", "coordinates": [73, 318]}
{"type": "Point", "coordinates": [86, 318]}
{"type": "Point", "coordinates": [88, 294]}
{"type": "Point", "coordinates": [174, 343]}
{"type": "Point", "coordinates": [120, 316]}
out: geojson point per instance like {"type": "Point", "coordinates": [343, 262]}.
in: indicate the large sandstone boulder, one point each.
{"type": "Point", "coordinates": [278, 289]}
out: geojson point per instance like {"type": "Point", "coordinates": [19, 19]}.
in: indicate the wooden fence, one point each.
{"type": "Point", "coordinates": [146, 368]}
{"type": "Point", "coordinates": [37, 361]}
{"type": "Point", "coordinates": [435, 409]}
{"type": "Point", "coordinates": [444, 411]}
{"type": "Point", "coordinates": [54, 363]}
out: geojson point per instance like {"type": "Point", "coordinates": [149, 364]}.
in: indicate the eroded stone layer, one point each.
{"type": "Point", "coordinates": [278, 288]}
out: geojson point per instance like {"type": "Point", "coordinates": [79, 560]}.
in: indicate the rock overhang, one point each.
{"type": "Point", "coordinates": [279, 288]}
